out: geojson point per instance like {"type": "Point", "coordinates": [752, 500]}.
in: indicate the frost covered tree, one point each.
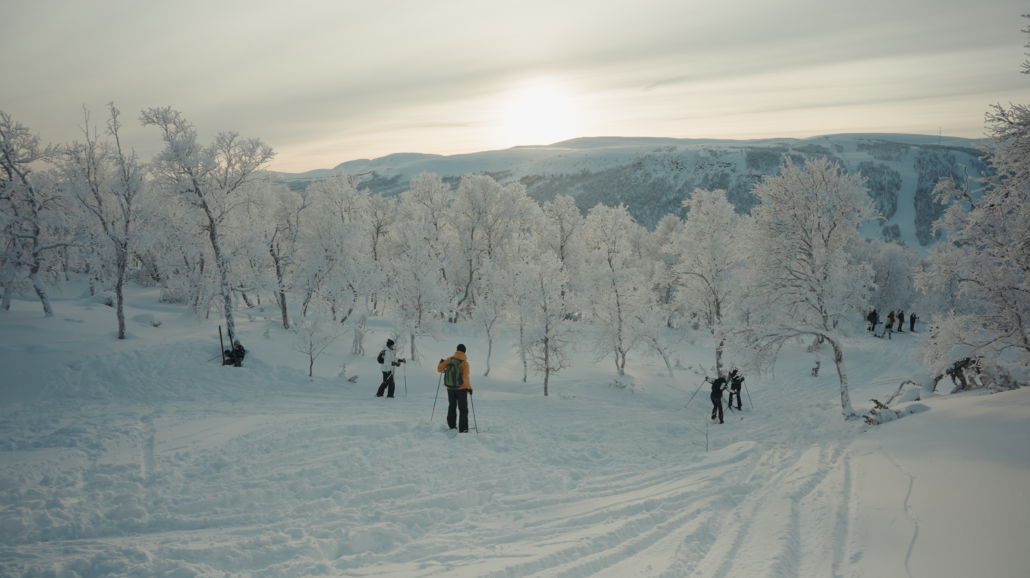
{"type": "Point", "coordinates": [208, 177]}
{"type": "Point", "coordinates": [711, 252]}
{"type": "Point", "coordinates": [493, 299]}
{"type": "Point", "coordinates": [418, 292]}
{"type": "Point", "coordinates": [110, 184]}
{"type": "Point", "coordinates": [486, 217]}
{"type": "Point", "coordinates": [288, 210]}
{"type": "Point", "coordinates": [618, 290]}
{"type": "Point", "coordinates": [562, 234]}
{"type": "Point", "coordinates": [337, 260]}
{"type": "Point", "coordinates": [987, 254]}
{"type": "Point", "coordinates": [664, 279]}
{"type": "Point", "coordinates": [549, 334]}
{"type": "Point", "coordinates": [894, 267]}
{"type": "Point", "coordinates": [32, 211]}
{"type": "Point", "coordinates": [802, 281]}
{"type": "Point", "coordinates": [312, 337]}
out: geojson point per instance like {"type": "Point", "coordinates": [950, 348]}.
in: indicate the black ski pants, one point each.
{"type": "Point", "coordinates": [717, 405]}
{"type": "Point", "coordinates": [387, 383]}
{"type": "Point", "coordinates": [734, 391]}
{"type": "Point", "coordinates": [458, 400]}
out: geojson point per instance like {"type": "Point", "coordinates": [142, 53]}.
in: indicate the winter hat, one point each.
{"type": "Point", "coordinates": [389, 343]}
{"type": "Point", "coordinates": [461, 347]}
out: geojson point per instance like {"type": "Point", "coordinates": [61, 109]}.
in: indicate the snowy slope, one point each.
{"type": "Point", "coordinates": [652, 176]}
{"type": "Point", "coordinates": [138, 458]}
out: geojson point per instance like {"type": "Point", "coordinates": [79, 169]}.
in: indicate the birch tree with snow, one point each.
{"type": "Point", "coordinates": [894, 268]}
{"type": "Point", "coordinates": [208, 177]}
{"type": "Point", "coordinates": [110, 184]}
{"type": "Point", "coordinates": [486, 217]}
{"type": "Point", "coordinates": [987, 253]}
{"type": "Point", "coordinates": [338, 264]}
{"type": "Point", "coordinates": [418, 293]}
{"type": "Point", "coordinates": [288, 210]}
{"type": "Point", "coordinates": [711, 252]}
{"type": "Point", "coordinates": [802, 281]}
{"type": "Point", "coordinates": [32, 210]}
{"type": "Point", "coordinates": [618, 291]}
{"type": "Point", "coordinates": [549, 335]}
{"type": "Point", "coordinates": [562, 234]}
{"type": "Point", "coordinates": [494, 297]}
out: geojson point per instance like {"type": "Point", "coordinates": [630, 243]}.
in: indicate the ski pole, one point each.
{"type": "Point", "coordinates": [213, 358]}
{"type": "Point", "coordinates": [405, 380]}
{"type": "Point", "coordinates": [437, 397]}
{"type": "Point", "coordinates": [221, 343]}
{"type": "Point", "coordinates": [473, 412]}
{"type": "Point", "coordinates": [695, 392]}
{"type": "Point", "coordinates": [748, 396]}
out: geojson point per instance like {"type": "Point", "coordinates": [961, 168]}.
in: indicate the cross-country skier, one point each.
{"type": "Point", "coordinates": [390, 362]}
{"type": "Point", "coordinates": [717, 388]}
{"type": "Point", "coordinates": [736, 380]}
{"type": "Point", "coordinates": [235, 355]}
{"type": "Point", "coordinates": [455, 370]}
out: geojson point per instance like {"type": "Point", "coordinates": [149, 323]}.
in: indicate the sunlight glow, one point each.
{"type": "Point", "coordinates": [540, 114]}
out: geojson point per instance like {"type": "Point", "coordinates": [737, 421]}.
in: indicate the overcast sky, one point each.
{"type": "Point", "coordinates": [325, 82]}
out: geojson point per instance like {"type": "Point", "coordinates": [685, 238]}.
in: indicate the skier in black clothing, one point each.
{"type": "Point", "coordinates": [912, 322]}
{"type": "Point", "coordinates": [234, 356]}
{"type": "Point", "coordinates": [717, 387]}
{"type": "Point", "coordinates": [872, 318]}
{"type": "Point", "coordinates": [736, 380]}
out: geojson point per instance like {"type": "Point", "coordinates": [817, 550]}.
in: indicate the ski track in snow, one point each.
{"type": "Point", "coordinates": [130, 464]}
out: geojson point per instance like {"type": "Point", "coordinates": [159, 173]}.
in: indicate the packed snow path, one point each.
{"type": "Point", "coordinates": [148, 461]}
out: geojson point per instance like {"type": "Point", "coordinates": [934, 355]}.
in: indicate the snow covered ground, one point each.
{"type": "Point", "coordinates": [139, 458]}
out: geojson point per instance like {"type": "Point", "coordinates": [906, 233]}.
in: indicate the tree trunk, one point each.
{"type": "Point", "coordinates": [489, 348]}
{"type": "Point", "coordinates": [40, 288]}
{"type": "Point", "coordinates": [522, 353]}
{"type": "Point", "coordinates": [281, 296]}
{"type": "Point", "coordinates": [718, 357]}
{"type": "Point", "coordinates": [358, 347]}
{"type": "Point", "coordinates": [120, 300]}
{"type": "Point", "coordinates": [223, 268]}
{"type": "Point", "coordinates": [11, 275]}
{"type": "Point", "coordinates": [668, 365]}
{"type": "Point", "coordinates": [282, 307]}
{"type": "Point", "coordinates": [547, 365]}
{"type": "Point", "coordinates": [845, 397]}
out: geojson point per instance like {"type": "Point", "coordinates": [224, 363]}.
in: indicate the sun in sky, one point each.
{"type": "Point", "coordinates": [539, 114]}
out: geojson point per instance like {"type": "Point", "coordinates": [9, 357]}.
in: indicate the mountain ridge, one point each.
{"type": "Point", "coordinates": [653, 175]}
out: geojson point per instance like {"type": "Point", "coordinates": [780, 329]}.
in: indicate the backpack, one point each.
{"type": "Point", "coordinates": [452, 377]}
{"type": "Point", "coordinates": [382, 357]}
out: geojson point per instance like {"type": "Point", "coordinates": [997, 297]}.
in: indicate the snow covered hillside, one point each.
{"type": "Point", "coordinates": [652, 176]}
{"type": "Point", "coordinates": [142, 458]}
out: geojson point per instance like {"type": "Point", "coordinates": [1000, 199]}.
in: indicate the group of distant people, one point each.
{"type": "Point", "coordinates": [455, 370]}
{"type": "Point", "coordinates": [893, 323]}
{"type": "Point", "coordinates": [455, 378]}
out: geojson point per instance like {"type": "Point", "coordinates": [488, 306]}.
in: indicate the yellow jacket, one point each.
{"type": "Point", "coordinates": [465, 383]}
